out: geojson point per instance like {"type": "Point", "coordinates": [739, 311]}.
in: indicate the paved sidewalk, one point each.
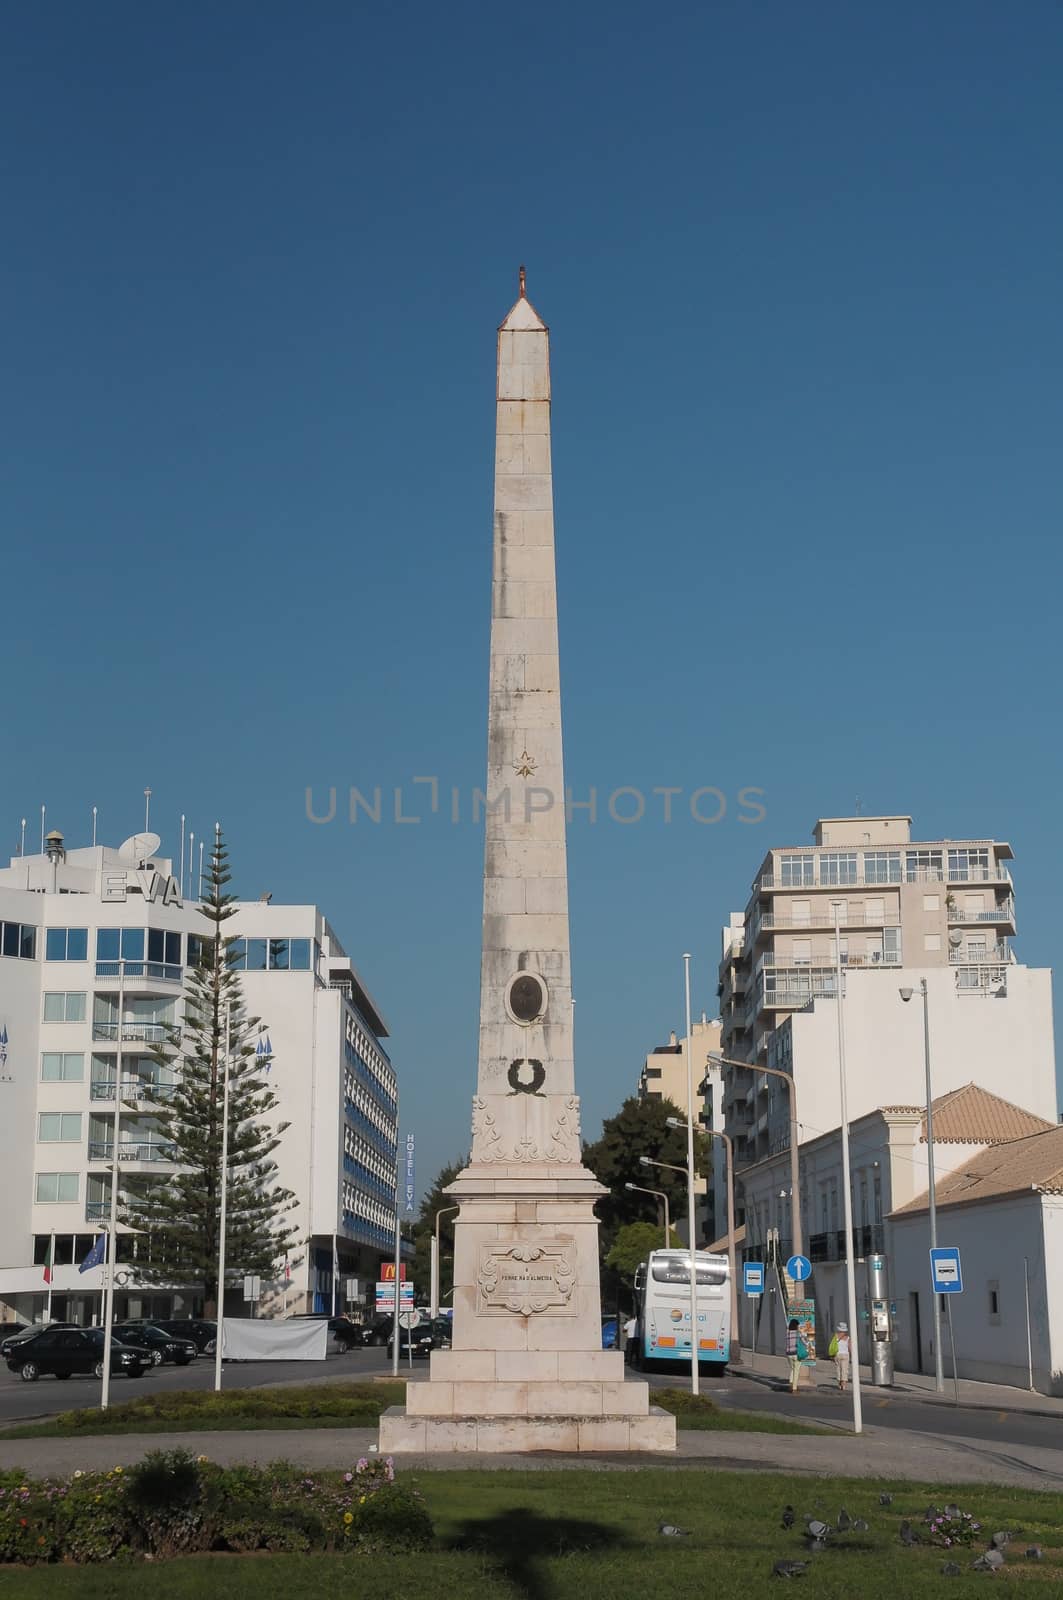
{"type": "Point", "coordinates": [772, 1370]}
{"type": "Point", "coordinates": [880, 1452]}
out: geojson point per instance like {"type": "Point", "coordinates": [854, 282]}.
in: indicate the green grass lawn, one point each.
{"type": "Point", "coordinates": [591, 1535]}
{"type": "Point", "coordinates": [327, 1405]}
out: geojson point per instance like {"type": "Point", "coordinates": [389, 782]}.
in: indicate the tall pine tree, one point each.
{"type": "Point", "coordinates": [177, 1220]}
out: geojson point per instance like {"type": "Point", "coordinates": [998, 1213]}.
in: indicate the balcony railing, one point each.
{"type": "Point", "coordinates": [859, 880]}
{"type": "Point", "coordinates": [97, 1210]}
{"type": "Point", "coordinates": [130, 1150]}
{"type": "Point", "coordinates": [773, 923]}
{"type": "Point", "coordinates": [165, 971]}
{"type": "Point", "coordinates": [771, 962]}
{"type": "Point", "coordinates": [997, 953]}
{"type": "Point", "coordinates": [1004, 912]}
{"type": "Point", "coordinates": [134, 1089]}
{"type": "Point", "coordinates": [830, 1246]}
{"type": "Point", "coordinates": [151, 1032]}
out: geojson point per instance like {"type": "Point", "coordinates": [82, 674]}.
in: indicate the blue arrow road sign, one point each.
{"type": "Point", "coordinates": [799, 1268]}
{"type": "Point", "coordinates": [945, 1269]}
{"type": "Point", "coordinates": [753, 1277]}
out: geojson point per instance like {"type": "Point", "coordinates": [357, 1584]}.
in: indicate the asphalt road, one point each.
{"type": "Point", "coordinates": [21, 1401]}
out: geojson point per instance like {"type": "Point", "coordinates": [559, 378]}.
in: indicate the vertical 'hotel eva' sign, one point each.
{"type": "Point", "coordinates": [411, 1187]}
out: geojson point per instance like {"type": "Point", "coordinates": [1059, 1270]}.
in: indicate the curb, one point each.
{"type": "Point", "coordinates": [768, 1382]}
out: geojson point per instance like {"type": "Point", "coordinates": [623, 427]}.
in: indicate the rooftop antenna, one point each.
{"type": "Point", "coordinates": [22, 840]}
{"type": "Point", "coordinates": [147, 808]}
{"type": "Point", "coordinates": [199, 891]}
{"type": "Point", "coordinates": [42, 830]}
{"type": "Point", "coordinates": [191, 855]}
{"type": "Point", "coordinates": [181, 872]}
{"type": "Point", "coordinates": [859, 806]}
{"type": "Point", "coordinates": [523, 284]}
{"type": "Point", "coordinates": [94, 827]}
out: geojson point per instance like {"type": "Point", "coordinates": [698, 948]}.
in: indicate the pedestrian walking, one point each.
{"type": "Point", "coordinates": [793, 1353]}
{"type": "Point", "coordinates": [839, 1351]}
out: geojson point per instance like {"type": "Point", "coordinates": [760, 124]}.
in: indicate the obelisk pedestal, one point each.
{"type": "Point", "coordinates": [527, 1370]}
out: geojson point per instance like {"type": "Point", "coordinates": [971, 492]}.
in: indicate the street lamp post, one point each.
{"type": "Point", "coordinates": [695, 1345]}
{"type": "Point", "coordinates": [847, 1198]}
{"type": "Point", "coordinates": [663, 1198]}
{"type": "Point", "coordinates": [223, 1218]}
{"type": "Point", "coordinates": [433, 1295]}
{"type": "Point", "coordinates": [906, 995]}
{"type": "Point", "coordinates": [732, 1270]}
{"type": "Point", "coordinates": [112, 1226]}
{"type": "Point", "coordinates": [688, 1174]}
{"type": "Point", "coordinates": [797, 1232]}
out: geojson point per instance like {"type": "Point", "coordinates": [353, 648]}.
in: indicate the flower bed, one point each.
{"type": "Point", "coordinates": [174, 1503]}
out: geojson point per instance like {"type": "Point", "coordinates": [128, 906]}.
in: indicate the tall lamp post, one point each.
{"type": "Point", "coordinates": [732, 1270]}
{"type": "Point", "coordinates": [223, 1218]}
{"type": "Point", "coordinates": [906, 995]}
{"type": "Point", "coordinates": [695, 1344]}
{"type": "Point", "coordinates": [797, 1232]}
{"type": "Point", "coordinates": [687, 1173]}
{"type": "Point", "coordinates": [847, 1197]}
{"type": "Point", "coordinates": [663, 1198]}
{"type": "Point", "coordinates": [433, 1296]}
{"type": "Point", "coordinates": [112, 1224]}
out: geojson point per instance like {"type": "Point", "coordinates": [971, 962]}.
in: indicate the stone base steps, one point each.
{"type": "Point", "coordinates": [593, 1397]}
{"type": "Point", "coordinates": [401, 1433]}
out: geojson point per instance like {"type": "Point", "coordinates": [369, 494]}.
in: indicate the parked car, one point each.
{"type": "Point", "coordinates": [426, 1337]}
{"type": "Point", "coordinates": [609, 1334]}
{"type": "Point", "coordinates": [66, 1351]}
{"type": "Point", "coordinates": [376, 1332]}
{"type": "Point", "coordinates": [345, 1332]}
{"type": "Point", "coordinates": [204, 1335]}
{"type": "Point", "coordinates": [26, 1330]}
{"type": "Point", "coordinates": [162, 1345]}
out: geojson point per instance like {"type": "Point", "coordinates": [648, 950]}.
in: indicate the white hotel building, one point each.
{"type": "Point", "coordinates": [67, 919]}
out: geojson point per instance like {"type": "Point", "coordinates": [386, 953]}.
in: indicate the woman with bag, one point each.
{"type": "Point", "coordinates": [839, 1352]}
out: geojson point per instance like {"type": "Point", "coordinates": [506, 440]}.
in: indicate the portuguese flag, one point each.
{"type": "Point", "coordinates": [48, 1259]}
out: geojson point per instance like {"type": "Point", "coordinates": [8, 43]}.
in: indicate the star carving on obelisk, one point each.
{"type": "Point", "coordinates": [524, 766]}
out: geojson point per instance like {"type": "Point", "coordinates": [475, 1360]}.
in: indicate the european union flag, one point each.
{"type": "Point", "coordinates": [96, 1254]}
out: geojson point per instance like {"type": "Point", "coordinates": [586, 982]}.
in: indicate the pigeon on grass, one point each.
{"type": "Point", "coordinates": [845, 1521]}
{"type": "Point", "coordinates": [787, 1516]}
{"type": "Point", "coordinates": [668, 1530]}
{"type": "Point", "coordinates": [1034, 1552]}
{"type": "Point", "coordinates": [789, 1569]}
{"type": "Point", "coordinates": [907, 1534]}
{"type": "Point", "coordinates": [951, 1570]}
{"type": "Point", "coordinates": [885, 1499]}
{"type": "Point", "coordinates": [989, 1562]}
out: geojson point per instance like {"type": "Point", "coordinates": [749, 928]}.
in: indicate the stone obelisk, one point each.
{"type": "Point", "coordinates": [527, 1370]}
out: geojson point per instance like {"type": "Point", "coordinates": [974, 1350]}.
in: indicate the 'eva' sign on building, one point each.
{"type": "Point", "coordinates": [149, 883]}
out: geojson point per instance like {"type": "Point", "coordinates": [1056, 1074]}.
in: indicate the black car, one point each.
{"type": "Point", "coordinates": [376, 1332]}
{"type": "Point", "coordinates": [162, 1345]}
{"type": "Point", "coordinates": [66, 1351]}
{"type": "Point", "coordinates": [204, 1335]}
{"type": "Point", "coordinates": [26, 1330]}
{"type": "Point", "coordinates": [346, 1333]}
{"type": "Point", "coordinates": [426, 1337]}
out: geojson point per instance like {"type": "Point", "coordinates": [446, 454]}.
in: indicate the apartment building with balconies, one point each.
{"type": "Point", "coordinates": [897, 910]}
{"type": "Point", "coordinates": [94, 947]}
{"type": "Point", "coordinates": [664, 1077]}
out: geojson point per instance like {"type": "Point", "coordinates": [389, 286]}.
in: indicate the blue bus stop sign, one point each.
{"type": "Point", "coordinates": [799, 1268]}
{"type": "Point", "coordinates": [945, 1269]}
{"type": "Point", "coordinates": [753, 1277]}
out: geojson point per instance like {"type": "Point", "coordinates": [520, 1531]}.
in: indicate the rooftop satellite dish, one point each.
{"type": "Point", "coordinates": [955, 938]}
{"type": "Point", "coordinates": [139, 847]}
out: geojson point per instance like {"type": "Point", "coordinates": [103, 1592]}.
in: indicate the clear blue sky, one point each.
{"type": "Point", "coordinates": [801, 266]}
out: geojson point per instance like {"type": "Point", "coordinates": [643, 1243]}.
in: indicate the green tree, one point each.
{"type": "Point", "coordinates": [640, 1128]}
{"type": "Point", "coordinates": [177, 1220]}
{"type": "Point", "coordinates": [632, 1245]}
{"type": "Point", "coordinates": [434, 1201]}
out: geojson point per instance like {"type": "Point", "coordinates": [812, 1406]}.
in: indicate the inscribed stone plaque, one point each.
{"type": "Point", "coordinates": [526, 1278]}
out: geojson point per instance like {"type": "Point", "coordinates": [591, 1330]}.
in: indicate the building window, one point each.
{"type": "Point", "coordinates": [164, 947]}
{"type": "Point", "coordinates": [882, 866]}
{"type": "Point", "coordinates": [931, 941]}
{"type": "Point", "coordinates": [60, 1006]}
{"type": "Point", "coordinates": [56, 1188]}
{"type": "Point", "coordinates": [59, 1127]}
{"type": "Point", "coordinates": [199, 949]}
{"type": "Point", "coordinates": [837, 866]}
{"type": "Point", "coordinates": [931, 902]}
{"type": "Point", "coordinates": [801, 952]}
{"type": "Point", "coordinates": [66, 944]}
{"type": "Point", "coordinates": [62, 1066]}
{"type": "Point", "coordinates": [968, 865]}
{"type": "Point", "coordinates": [796, 872]}
{"type": "Point", "coordinates": [18, 939]}
{"type": "Point", "coordinates": [270, 955]}
{"type": "Point", "coordinates": [923, 866]}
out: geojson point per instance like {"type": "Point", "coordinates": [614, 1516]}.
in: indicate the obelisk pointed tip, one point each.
{"type": "Point", "coordinates": [523, 318]}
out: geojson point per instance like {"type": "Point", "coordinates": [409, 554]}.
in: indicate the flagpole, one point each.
{"type": "Point", "coordinates": [50, 1276]}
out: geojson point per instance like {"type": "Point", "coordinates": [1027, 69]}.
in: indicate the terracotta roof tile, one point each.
{"type": "Point", "coordinates": [972, 1115]}
{"type": "Point", "coordinates": [1030, 1165]}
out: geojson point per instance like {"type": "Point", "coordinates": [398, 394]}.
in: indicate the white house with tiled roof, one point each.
{"type": "Point", "coordinates": [888, 1158]}
{"type": "Point", "coordinates": [1003, 1207]}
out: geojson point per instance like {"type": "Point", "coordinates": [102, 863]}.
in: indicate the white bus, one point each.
{"type": "Point", "coordinates": [662, 1293]}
